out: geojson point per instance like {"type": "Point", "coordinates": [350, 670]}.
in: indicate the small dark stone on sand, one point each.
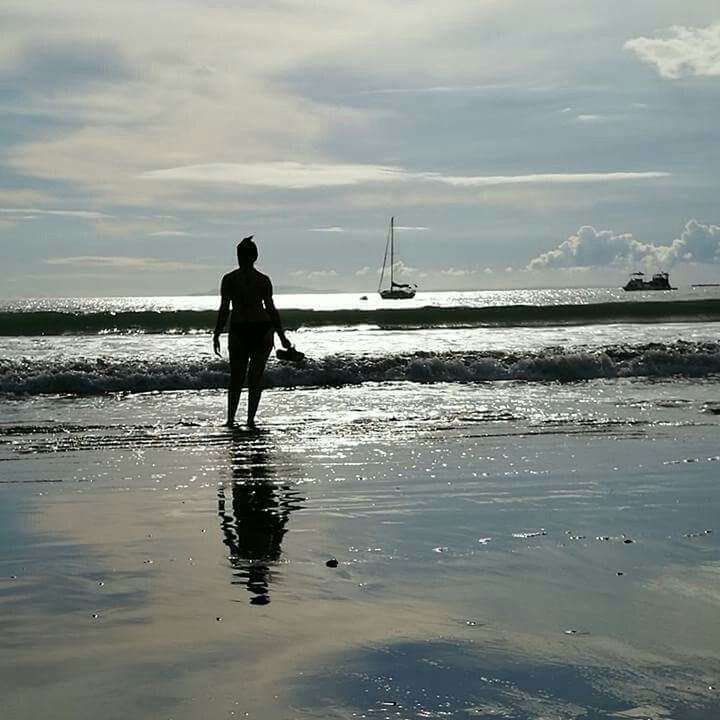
{"type": "Point", "coordinates": [331, 563]}
{"type": "Point", "coordinates": [218, 619]}
{"type": "Point", "coordinates": [628, 541]}
{"type": "Point", "coordinates": [620, 572]}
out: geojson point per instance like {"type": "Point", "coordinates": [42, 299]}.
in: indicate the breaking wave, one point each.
{"type": "Point", "coordinates": [94, 376]}
{"type": "Point", "coordinates": [186, 321]}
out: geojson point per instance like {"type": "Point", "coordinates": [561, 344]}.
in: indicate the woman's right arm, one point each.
{"type": "Point", "coordinates": [275, 315]}
{"type": "Point", "coordinates": [222, 316]}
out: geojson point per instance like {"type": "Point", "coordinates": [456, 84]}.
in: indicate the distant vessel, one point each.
{"type": "Point", "coordinates": [660, 281]}
{"type": "Point", "coordinates": [396, 291]}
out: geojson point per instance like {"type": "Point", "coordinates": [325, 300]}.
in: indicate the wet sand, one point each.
{"type": "Point", "coordinates": [485, 570]}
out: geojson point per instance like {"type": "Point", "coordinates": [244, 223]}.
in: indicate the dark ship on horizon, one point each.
{"type": "Point", "coordinates": [659, 281]}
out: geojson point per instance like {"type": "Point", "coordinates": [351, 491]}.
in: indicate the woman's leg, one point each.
{"type": "Point", "coordinates": [258, 359]}
{"type": "Point", "coordinates": [239, 357]}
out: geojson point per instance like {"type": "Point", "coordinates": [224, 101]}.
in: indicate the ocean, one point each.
{"type": "Point", "coordinates": [519, 488]}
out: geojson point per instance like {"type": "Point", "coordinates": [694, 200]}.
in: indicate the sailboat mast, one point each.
{"type": "Point", "coordinates": [392, 251]}
{"type": "Point", "coordinates": [384, 265]}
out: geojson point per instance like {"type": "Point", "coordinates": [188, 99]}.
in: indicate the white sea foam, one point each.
{"type": "Point", "coordinates": [87, 376]}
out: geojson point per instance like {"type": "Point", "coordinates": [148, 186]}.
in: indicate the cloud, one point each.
{"type": "Point", "coordinates": [597, 248]}
{"type": "Point", "coordinates": [23, 197]}
{"type": "Point", "coordinates": [403, 270]}
{"type": "Point", "coordinates": [332, 229]}
{"type": "Point", "coordinates": [411, 228]}
{"type": "Point", "coordinates": [28, 213]}
{"type": "Point", "coordinates": [683, 51]}
{"type": "Point", "coordinates": [169, 233]}
{"type": "Point", "coordinates": [283, 174]}
{"type": "Point", "coordinates": [288, 175]}
{"type": "Point", "coordinates": [212, 86]}
{"type": "Point", "coordinates": [458, 272]}
{"type": "Point", "coordinates": [121, 262]}
{"type": "Point", "coordinates": [313, 274]}
{"type": "Point", "coordinates": [542, 178]}
{"type": "Point", "coordinates": [445, 89]}
{"type": "Point", "coordinates": [699, 243]}
{"type": "Point", "coordinates": [590, 117]}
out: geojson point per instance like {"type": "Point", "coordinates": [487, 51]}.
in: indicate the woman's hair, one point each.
{"type": "Point", "coordinates": [247, 251]}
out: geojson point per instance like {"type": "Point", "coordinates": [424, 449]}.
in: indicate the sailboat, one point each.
{"type": "Point", "coordinates": [396, 291]}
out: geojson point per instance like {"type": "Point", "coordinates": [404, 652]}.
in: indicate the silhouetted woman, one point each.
{"type": "Point", "coordinates": [253, 322]}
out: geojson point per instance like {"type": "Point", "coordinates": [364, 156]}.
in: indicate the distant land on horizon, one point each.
{"type": "Point", "coordinates": [301, 290]}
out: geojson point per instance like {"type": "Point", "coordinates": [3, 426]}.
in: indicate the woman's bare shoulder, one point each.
{"type": "Point", "coordinates": [230, 276]}
{"type": "Point", "coordinates": [263, 278]}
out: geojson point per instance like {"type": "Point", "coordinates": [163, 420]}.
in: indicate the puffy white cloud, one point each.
{"type": "Point", "coordinates": [681, 51]}
{"type": "Point", "coordinates": [401, 270]}
{"type": "Point", "coordinates": [699, 243]}
{"type": "Point", "coordinates": [596, 248]}
{"type": "Point", "coordinates": [169, 233]}
{"type": "Point", "coordinates": [288, 175]}
{"type": "Point", "coordinates": [331, 229]}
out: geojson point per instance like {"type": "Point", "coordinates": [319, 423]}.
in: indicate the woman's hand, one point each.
{"type": "Point", "coordinates": [285, 342]}
{"type": "Point", "coordinates": [216, 344]}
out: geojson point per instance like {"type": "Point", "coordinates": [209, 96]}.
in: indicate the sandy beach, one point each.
{"type": "Point", "coordinates": [563, 569]}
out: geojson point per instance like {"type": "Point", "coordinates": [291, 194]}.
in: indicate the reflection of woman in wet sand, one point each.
{"type": "Point", "coordinates": [253, 322]}
{"type": "Point", "coordinates": [253, 515]}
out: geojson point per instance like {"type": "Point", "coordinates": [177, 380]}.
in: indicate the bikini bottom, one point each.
{"type": "Point", "coordinates": [251, 336]}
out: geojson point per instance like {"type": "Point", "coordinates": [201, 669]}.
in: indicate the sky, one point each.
{"type": "Point", "coordinates": [518, 143]}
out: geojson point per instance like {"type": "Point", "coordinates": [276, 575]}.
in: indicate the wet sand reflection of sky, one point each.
{"type": "Point", "coordinates": [478, 680]}
{"type": "Point", "coordinates": [189, 526]}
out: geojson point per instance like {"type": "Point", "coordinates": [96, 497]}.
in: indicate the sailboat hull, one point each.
{"type": "Point", "coordinates": [397, 294]}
